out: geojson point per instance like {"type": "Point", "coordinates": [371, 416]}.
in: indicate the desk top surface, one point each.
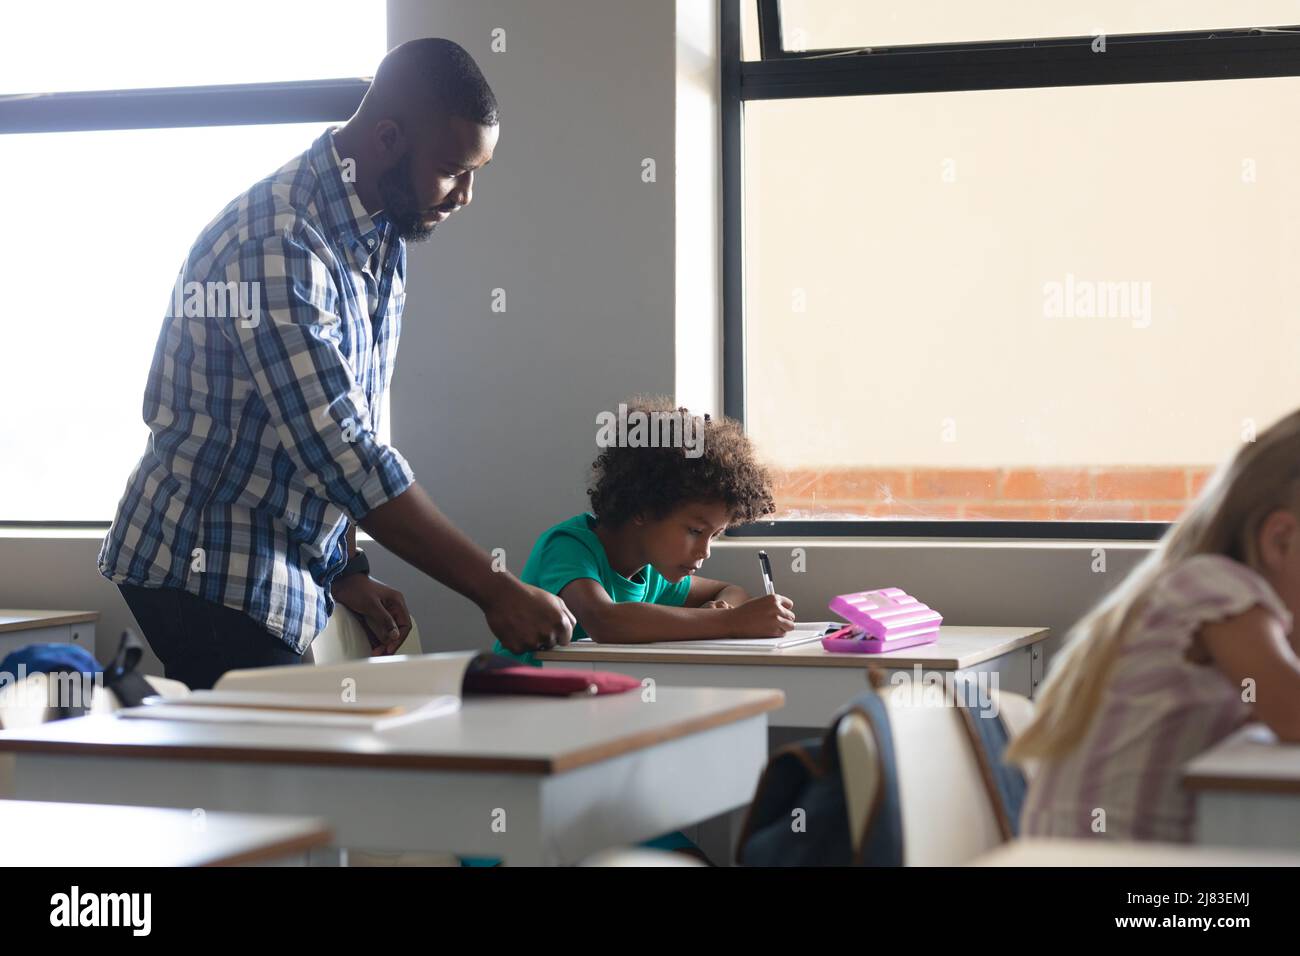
{"type": "Point", "coordinates": [84, 834]}
{"type": "Point", "coordinates": [20, 619]}
{"type": "Point", "coordinates": [505, 734]}
{"type": "Point", "coordinates": [956, 648]}
{"type": "Point", "coordinates": [1252, 759]}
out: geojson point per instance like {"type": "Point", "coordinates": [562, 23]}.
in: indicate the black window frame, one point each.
{"type": "Point", "coordinates": [176, 107]}
{"type": "Point", "coordinates": [1247, 53]}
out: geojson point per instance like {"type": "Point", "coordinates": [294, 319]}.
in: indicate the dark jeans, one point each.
{"type": "Point", "coordinates": [198, 641]}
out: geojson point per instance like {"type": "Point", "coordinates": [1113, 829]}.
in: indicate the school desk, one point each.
{"type": "Point", "coordinates": [19, 628]}
{"type": "Point", "coordinates": [816, 682]}
{"type": "Point", "coordinates": [1247, 791]}
{"type": "Point", "coordinates": [83, 834]}
{"type": "Point", "coordinates": [533, 780]}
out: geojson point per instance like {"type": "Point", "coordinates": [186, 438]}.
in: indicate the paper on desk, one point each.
{"type": "Point", "coordinates": [296, 709]}
{"type": "Point", "coordinates": [803, 633]}
{"type": "Point", "coordinates": [424, 675]}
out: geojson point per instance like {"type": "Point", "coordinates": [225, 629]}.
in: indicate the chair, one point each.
{"type": "Point", "coordinates": [344, 639]}
{"type": "Point", "coordinates": [948, 818]}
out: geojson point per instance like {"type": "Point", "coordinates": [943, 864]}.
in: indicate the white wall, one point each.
{"type": "Point", "coordinates": [496, 411]}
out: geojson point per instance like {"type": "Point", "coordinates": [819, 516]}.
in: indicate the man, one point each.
{"type": "Point", "coordinates": [237, 530]}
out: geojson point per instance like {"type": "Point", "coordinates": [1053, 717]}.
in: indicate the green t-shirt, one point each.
{"type": "Point", "coordinates": [570, 551]}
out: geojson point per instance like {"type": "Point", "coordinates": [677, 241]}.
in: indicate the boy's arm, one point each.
{"type": "Point", "coordinates": [1252, 646]}
{"type": "Point", "coordinates": [706, 590]}
{"type": "Point", "coordinates": [633, 622]}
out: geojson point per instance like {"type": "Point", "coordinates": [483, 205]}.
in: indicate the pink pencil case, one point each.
{"type": "Point", "coordinates": [887, 619]}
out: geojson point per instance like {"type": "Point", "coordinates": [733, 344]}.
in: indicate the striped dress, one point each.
{"type": "Point", "coordinates": [1157, 712]}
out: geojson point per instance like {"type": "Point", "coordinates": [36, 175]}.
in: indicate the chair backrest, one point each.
{"type": "Point", "coordinates": [948, 818]}
{"type": "Point", "coordinates": [1017, 711]}
{"type": "Point", "coordinates": [344, 639]}
{"type": "Point", "coordinates": [858, 763]}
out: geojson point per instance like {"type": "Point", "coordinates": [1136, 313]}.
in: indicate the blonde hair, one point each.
{"type": "Point", "coordinates": [1225, 519]}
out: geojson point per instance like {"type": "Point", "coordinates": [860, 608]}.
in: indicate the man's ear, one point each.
{"type": "Point", "coordinates": [390, 141]}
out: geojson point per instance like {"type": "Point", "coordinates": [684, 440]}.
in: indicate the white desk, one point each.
{"type": "Point", "coordinates": [1247, 791]}
{"type": "Point", "coordinates": [81, 834]}
{"type": "Point", "coordinates": [533, 780]}
{"type": "Point", "coordinates": [19, 628]}
{"type": "Point", "coordinates": [1100, 852]}
{"type": "Point", "coordinates": [816, 683]}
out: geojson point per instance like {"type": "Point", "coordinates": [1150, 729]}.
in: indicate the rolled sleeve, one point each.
{"type": "Point", "coordinates": [291, 348]}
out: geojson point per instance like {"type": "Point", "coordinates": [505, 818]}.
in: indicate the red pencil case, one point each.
{"type": "Point", "coordinates": [547, 682]}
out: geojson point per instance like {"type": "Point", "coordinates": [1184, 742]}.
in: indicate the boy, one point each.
{"type": "Point", "coordinates": [628, 570]}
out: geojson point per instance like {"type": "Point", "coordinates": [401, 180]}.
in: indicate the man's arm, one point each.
{"type": "Point", "coordinates": [412, 527]}
{"type": "Point", "coordinates": [291, 351]}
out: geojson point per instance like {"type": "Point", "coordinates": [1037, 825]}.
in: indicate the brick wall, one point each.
{"type": "Point", "coordinates": [1002, 494]}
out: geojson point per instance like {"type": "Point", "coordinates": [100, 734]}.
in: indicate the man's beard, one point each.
{"type": "Point", "coordinates": [401, 207]}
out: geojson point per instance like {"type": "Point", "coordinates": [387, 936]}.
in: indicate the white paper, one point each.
{"type": "Point", "coordinates": [195, 711]}
{"type": "Point", "coordinates": [803, 633]}
{"type": "Point", "coordinates": [426, 675]}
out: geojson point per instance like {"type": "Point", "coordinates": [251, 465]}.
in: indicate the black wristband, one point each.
{"type": "Point", "coordinates": [357, 564]}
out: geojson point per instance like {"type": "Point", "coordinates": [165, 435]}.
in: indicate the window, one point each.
{"type": "Point", "coordinates": [964, 300]}
{"type": "Point", "coordinates": [105, 191]}
{"type": "Point", "coordinates": [831, 24]}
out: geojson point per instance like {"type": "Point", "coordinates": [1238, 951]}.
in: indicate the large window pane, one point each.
{"type": "Point", "coordinates": [1019, 304]}
{"type": "Point", "coordinates": [819, 24]}
{"type": "Point", "coordinates": [97, 225]}
{"type": "Point", "coordinates": [62, 45]}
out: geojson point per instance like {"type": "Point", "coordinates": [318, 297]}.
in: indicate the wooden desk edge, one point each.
{"type": "Point", "coordinates": [892, 660]}
{"type": "Point", "coordinates": [538, 766]}
{"type": "Point", "coordinates": [318, 836]}
{"type": "Point", "coordinates": [58, 620]}
{"type": "Point", "coordinates": [771, 700]}
{"type": "Point", "coordinates": [1199, 781]}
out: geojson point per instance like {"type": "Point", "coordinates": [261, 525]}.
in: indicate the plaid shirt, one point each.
{"type": "Point", "coordinates": [263, 403]}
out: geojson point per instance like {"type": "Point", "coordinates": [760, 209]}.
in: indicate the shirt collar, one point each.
{"type": "Point", "coordinates": [341, 208]}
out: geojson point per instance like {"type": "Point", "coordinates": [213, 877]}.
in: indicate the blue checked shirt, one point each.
{"type": "Point", "coordinates": [263, 403]}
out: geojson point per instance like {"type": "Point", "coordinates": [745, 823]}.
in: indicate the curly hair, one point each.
{"type": "Point", "coordinates": [629, 481]}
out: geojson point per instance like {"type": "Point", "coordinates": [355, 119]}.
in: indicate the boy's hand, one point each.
{"type": "Point", "coordinates": [769, 616]}
{"type": "Point", "coordinates": [718, 604]}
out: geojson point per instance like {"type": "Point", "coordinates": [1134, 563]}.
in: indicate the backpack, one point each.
{"type": "Point", "coordinates": [71, 661]}
{"type": "Point", "coordinates": [800, 816]}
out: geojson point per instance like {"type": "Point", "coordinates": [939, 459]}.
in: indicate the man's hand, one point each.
{"type": "Point", "coordinates": [720, 605]}
{"type": "Point", "coordinates": [382, 610]}
{"type": "Point", "coordinates": [526, 618]}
